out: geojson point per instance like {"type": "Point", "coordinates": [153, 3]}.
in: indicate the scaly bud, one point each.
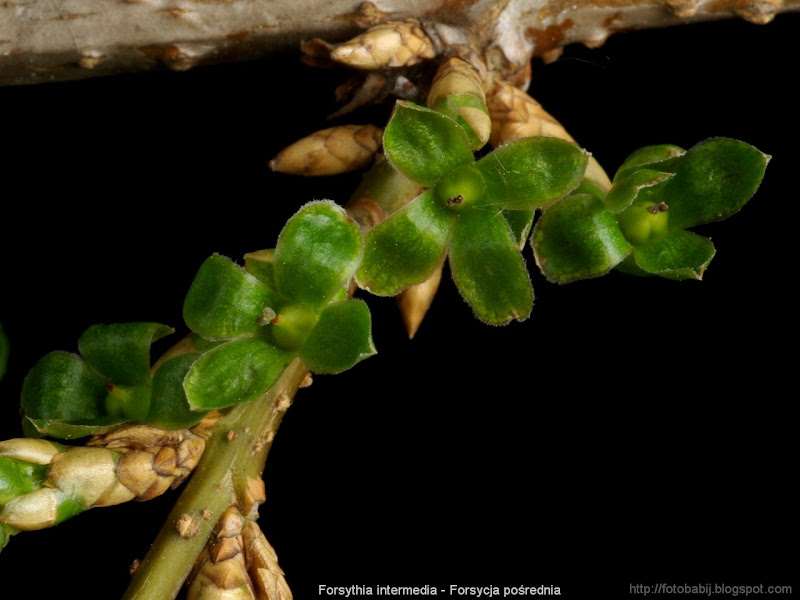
{"type": "Point", "coordinates": [222, 574]}
{"type": "Point", "coordinates": [457, 88]}
{"type": "Point", "coordinates": [515, 115]}
{"type": "Point", "coordinates": [262, 561]}
{"type": "Point", "coordinates": [414, 301]}
{"type": "Point", "coordinates": [330, 151]}
{"type": "Point", "coordinates": [390, 44]}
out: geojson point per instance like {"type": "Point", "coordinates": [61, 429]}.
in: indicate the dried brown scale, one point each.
{"type": "Point", "coordinates": [330, 151]}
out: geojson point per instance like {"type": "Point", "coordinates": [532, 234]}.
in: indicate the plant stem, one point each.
{"type": "Point", "coordinates": [245, 432]}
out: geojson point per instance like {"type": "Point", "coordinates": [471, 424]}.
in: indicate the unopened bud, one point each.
{"type": "Point", "coordinates": [391, 44]}
{"type": "Point", "coordinates": [415, 301]}
{"type": "Point", "coordinates": [262, 561]}
{"type": "Point", "coordinates": [330, 151]}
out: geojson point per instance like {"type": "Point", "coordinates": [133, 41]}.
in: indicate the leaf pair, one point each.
{"type": "Point", "coordinates": [640, 225]}
{"type": "Point", "coordinates": [291, 301]}
{"type": "Point", "coordinates": [69, 395]}
{"type": "Point", "coordinates": [477, 213]}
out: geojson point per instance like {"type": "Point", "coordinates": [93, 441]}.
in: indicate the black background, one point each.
{"type": "Point", "coordinates": [631, 431]}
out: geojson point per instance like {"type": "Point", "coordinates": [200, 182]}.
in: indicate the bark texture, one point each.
{"type": "Point", "coordinates": [42, 40]}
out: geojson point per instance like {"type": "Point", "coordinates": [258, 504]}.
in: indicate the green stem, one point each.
{"type": "Point", "coordinates": [212, 488]}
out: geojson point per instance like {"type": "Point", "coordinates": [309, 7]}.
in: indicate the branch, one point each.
{"type": "Point", "coordinates": [42, 41]}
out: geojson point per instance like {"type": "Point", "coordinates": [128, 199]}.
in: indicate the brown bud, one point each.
{"type": "Point", "coordinates": [330, 151]}
{"type": "Point", "coordinates": [390, 44]}
{"type": "Point", "coordinates": [222, 573]}
{"type": "Point", "coordinates": [415, 301]}
{"type": "Point", "coordinates": [262, 562]}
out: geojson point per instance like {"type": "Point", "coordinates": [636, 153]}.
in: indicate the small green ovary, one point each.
{"type": "Point", "coordinates": [644, 221]}
{"type": "Point", "coordinates": [462, 187]}
{"type": "Point", "coordinates": [291, 327]}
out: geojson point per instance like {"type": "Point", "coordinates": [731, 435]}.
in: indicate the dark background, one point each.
{"type": "Point", "coordinates": [631, 431]}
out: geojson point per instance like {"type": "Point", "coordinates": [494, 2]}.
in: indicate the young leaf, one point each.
{"type": "Point", "coordinates": [713, 180]}
{"type": "Point", "coordinates": [170, 406]}
{"type": "Point", "coordinates": [224, 301]}
{"type": "Point", "coordinates": [531, 172]}
{"type": "Point", "coordinates": [488, 268]}
{"type": "Point", "coordinates": [424, 144]}
{"type": "Point", "coordinates": [625, 190]}
{"type": "Point", "coordinates": [678, 255]}
{"type": "Point", "coordinates": [649, 156]}
{"type": "Point", "coordinates": [234, 372]}
{"type": "Point", "coordinates": [317, 252]}
{"type": "Point", "coordinates": [578, 238]}
{"type": "Point", "coordinates": [120, 352]}
{"type": "Point", "coordinates": [406, 248]}
{"type": "Point", "coordinates": [342, 338]}
{"type": "Point", "coordinates": [62, 387]}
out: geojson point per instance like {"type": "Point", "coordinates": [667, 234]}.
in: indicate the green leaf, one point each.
{"type": "Point", "coordinates": [520, 222]}
{"type": "Point", "coordinates": [629, 267]}
{"type": "Point", "coordinates": [713, 180]}
{"type": "Point", "coordinates": [678, 255]}
{"type": "Point", "coordinates": [261, 265]}
{"type": "Point", "coordinates": [224, 301]}
{"type": "Point", "coordinates": [423, 144]}
{"type": "Point", "coordinates": [234, 372]}
{"type": "Point", "coordinates": [649, 156]}
{"type": "Point", "coordinates": [62, 387]}
{"type": "Point", "coordinates": [406, 248]}
{"type": "Point", "coordinates": [488, 269]}
{"type": "Point", "coordinates": [317, 253]}
{"type": "Point", "coordinates": [3, 351]}
{"type": "Point", "coordinates": [625, 190]}
{"type": "Point", "coordinates": [451, 106]}
{"type": "Point", "coordinates": [531, 172]}
{"type": "Point", "coordinates": [578, 238]}
{"type": "Point", "coordinates": [342, 338]}
{"type": "Point", "coordinates": [169, 407]}
{"type": "Point", "coordinates": [120, 352]}
{"type": "Point", "coordinates": [65, 430]}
